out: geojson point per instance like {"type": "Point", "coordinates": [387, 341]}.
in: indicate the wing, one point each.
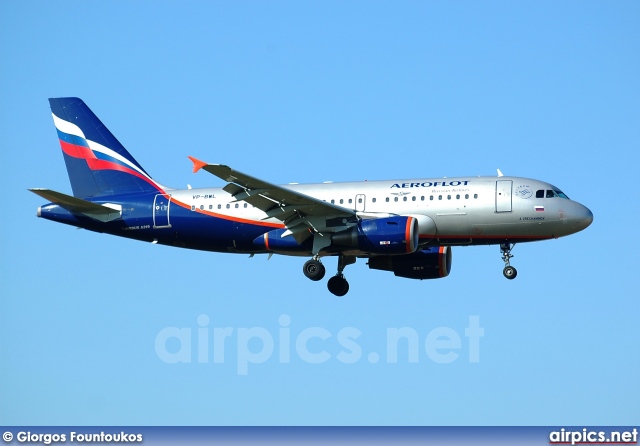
{"type": "Point", "coordinates": [298, 212]}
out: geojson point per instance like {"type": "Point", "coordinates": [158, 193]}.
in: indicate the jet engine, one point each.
{"type": "Point", "coordinates": [430, 263]}
{"type": "Point", "coordinates": [389, 235]}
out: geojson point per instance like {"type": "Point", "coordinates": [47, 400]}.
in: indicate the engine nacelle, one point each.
{"type": "Point", "coordinates": [430, 263]}
{"type": "Point", "coordinates": [390, 235]}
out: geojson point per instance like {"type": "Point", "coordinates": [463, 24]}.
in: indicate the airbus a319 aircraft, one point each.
{"type": "Point", "coordinates": [405, 226]}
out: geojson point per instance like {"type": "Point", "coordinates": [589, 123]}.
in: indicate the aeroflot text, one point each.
{"type": "Point", "coordinates": [313, 345]}
{"type": "Point", "coordinates": [429, 184]}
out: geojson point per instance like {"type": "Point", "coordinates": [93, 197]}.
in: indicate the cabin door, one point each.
{"type": "Point", "coordinates": [503, 195]}
{"type": "Point", "coordinates": [161, 211]}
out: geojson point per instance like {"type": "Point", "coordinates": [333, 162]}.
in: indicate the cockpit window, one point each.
{"type": "Point", "coordinates": [540, 193]}
{"type": "Point", "coordinates": [556, 193]}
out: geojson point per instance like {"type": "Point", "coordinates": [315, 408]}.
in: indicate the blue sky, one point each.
{"type": "Point", "coordinates": [308, 92]}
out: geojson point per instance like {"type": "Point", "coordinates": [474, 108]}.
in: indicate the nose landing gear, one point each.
{"type": "Point", "coordinates": [509, 271]}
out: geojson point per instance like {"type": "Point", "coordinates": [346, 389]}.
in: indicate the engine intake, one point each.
{"type": "Point", "coordinates": [430, 263]}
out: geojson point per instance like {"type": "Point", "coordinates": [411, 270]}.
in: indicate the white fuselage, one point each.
{"type": "Point", "coordinates": [450, 211]}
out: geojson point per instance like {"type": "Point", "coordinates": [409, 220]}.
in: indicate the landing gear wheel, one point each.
{"type": "Point", "coordinates": [510, 272]}
{"type": "Point", "coordinates": [338, 285]}
{"type": "Point", "coordinates": [314, 270]}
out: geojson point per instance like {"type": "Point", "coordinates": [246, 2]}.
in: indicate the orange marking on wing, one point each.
{"type": "Point", "coordinates": [197, 164]}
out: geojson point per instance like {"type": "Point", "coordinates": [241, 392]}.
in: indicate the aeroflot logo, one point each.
{"type": "Point", "coordinates": [430, 184]}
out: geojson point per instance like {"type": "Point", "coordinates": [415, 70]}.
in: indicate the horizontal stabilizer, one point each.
{"type": "Point", "coordinates": [102, 212]}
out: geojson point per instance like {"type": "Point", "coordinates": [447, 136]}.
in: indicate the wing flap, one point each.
{"type": "Point", "coordinates": [262, 203]}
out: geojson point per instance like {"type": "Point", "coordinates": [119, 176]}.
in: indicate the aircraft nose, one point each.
{"type": "Point", "coordinates": [588, 218]}
{"type": "Point", "coordinates": [582, 217]}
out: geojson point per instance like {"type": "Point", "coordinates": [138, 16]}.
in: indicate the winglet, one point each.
{"type": "Point", "coordinates": [197, 164]}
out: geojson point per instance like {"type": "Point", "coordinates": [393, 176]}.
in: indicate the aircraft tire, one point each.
{"type": "Point", "coordinates": [509, 272]}
{"type": "Point", "coordinates": [338, 285]}
{"type": "Point", "coordinates": [314, 270]}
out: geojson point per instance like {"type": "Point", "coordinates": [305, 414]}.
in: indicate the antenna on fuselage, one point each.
{"type": "Point", "coordinates": [500, 173]}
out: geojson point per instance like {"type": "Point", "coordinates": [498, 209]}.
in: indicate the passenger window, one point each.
{"type": "Point", "coordinates": [341, 201]}
{"type": "Point", "coordinates": [395, 199]}
{"type": "Point", "coordinates": [219, 206]}
{"type": "Point", "coordinates": [475, 195]}
{"type": "Point", "coordinates": [228, 206]}
{"type": "Point", "coordinates": [413, 198]}
{"type": "Point", "coordinates": [457, 197]}
{"type": "Point", "coordinates": [360, 200]}
{"type": "Point", "coordinates": [439, 197]}
{"type": "Point", "coordinates": [431, 197]}
{"type": "Point", "coordinates": [245, 205]}
{"type": "Point", "coordinates": [466, 196]}
{"type": "Point", "coordinates": [422, 198]}
{"type": "Point", "coordinates": [404, 199]}
{"type": "Point", "coordinates": [387, 199]}
{"type": "Point", "coordinates": [193, 208]}
{"type": "Point", "coordinates": [448, 197]}
{"type": "Point", "coordinates": [210, 206]}
{"type": "Point", "coordinates": [350, 200]}
{"type": "Point", "coordinates": [540, 194]}
{"type": "Point", "coordinates": [333, 201]}
{"type": "Point", "coordinates": [373, 200]}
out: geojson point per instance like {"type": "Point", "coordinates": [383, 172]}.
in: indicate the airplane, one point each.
{"type": "Point", "coordinates": [405, 226]}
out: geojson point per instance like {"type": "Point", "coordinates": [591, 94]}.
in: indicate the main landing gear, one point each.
{"type": "Point", "coordinates": [313, 269]}
{"type": "Point", "coordinates": [509, 271]}
{"type": "Point", "coordinates": [337, 285]}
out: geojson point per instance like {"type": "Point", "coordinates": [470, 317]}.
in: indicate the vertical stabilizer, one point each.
{"type": "Point", "coordinates": [97, 164]}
